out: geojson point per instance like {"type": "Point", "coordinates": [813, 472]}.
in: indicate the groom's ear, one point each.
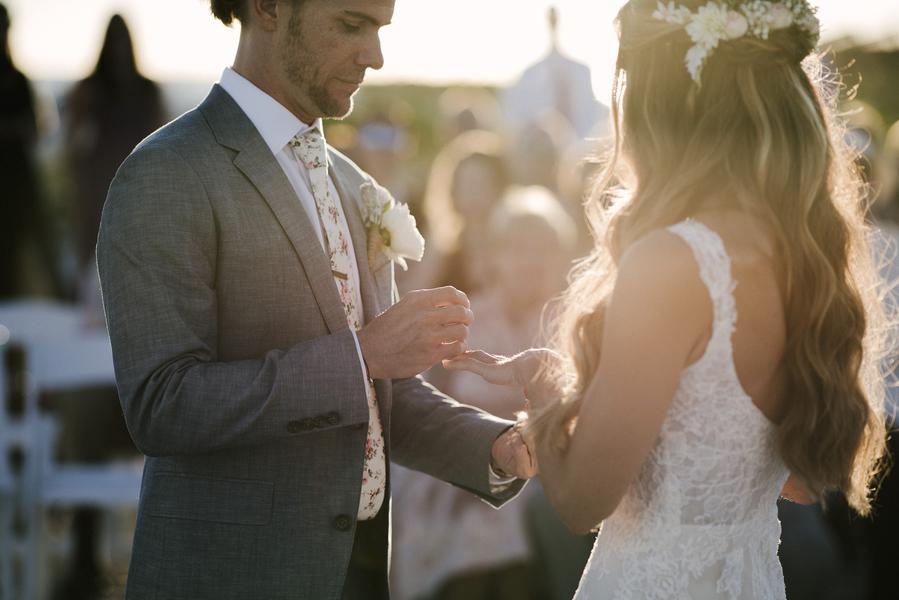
{"type": "Point", "coordinates": [265, 13]}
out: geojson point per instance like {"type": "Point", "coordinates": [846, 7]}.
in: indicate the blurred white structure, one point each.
{"type": "Point", "coordinates": [60, 354]}
{"type": "Point", "coordinates": [555, 84]}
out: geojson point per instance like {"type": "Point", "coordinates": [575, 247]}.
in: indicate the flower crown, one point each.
{"type": "Point", "coordinates": [726, 20]}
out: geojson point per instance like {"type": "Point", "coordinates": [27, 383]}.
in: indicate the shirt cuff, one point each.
{"type": "Point", "coordinates": [361, 360]}
{"type": "Point", "coordinates": [499, 484]}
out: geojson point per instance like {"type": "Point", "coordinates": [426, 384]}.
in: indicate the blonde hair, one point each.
{"type": "Point", "coordinates": [758, 134]}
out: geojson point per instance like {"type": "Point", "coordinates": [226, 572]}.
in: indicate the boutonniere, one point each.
{"type": "Point", "coordinates": [391, 227]}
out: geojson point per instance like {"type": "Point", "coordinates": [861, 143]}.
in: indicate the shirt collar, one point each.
{"type": "Point", "coordinates": [275, 123]}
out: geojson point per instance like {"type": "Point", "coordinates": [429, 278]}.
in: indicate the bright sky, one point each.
{"type": "Point", "coordinates": [434, 41]}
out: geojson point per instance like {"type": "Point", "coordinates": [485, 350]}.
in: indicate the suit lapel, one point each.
{"type": "Point", "coordinates": [254, 159]}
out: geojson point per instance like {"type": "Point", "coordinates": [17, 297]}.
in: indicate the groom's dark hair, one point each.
{"type": "Point", "coordinates": [227, 11]}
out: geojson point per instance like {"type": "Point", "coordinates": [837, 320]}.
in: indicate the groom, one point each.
{"type": "Point", "coordinates": [262, 365]}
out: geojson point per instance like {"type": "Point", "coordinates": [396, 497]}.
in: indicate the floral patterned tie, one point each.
{"type": "Point", "coordinates": [310, 151]}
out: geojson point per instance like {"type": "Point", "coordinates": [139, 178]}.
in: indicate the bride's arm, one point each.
{"type": "Point", "coordinates": [658, 315]}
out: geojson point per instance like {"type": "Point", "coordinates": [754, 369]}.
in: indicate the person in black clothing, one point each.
{"type": "Point", "coordinates": [109, 112]}
{"type": "Point", "coordinates": [18, 181]}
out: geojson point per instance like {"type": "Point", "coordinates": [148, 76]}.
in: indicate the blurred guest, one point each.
{"type": "Point", "coordinates": [467, 181]}
{"type": "Point", "coordinates": [882, 527]}
{"type": "Point", "coordinates": [851, 557]}
{"type": "Point", "coordinates": [531, 243]}
{"type": "Point", "coordinates": [888, 203]}
{"type": "Point", "coordinates": [535, 155]}
{"type": "Point", "coordinates": [819, 558]}
{"type": "Point", "coordinates": [447, 544]}
{"type": "Point", "coordinates": [19, 202]}
{"type": "Point", "coordinates": [109, 112]}
{"type": "Point", "coordinates": [385, 147]}
{"type": "Point", "coordinates": [555, 84]}
{"type": "Point", "coordinates": [865, 130]}
{"type": "Point", "coordinates": [466, 109]}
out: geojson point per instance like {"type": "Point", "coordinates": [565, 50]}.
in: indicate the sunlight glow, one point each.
{"type": "Point", "coordinates": [430, 41]}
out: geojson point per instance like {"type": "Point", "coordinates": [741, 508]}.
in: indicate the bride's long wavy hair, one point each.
{"type": "Point", "coordinates": [759, 135]}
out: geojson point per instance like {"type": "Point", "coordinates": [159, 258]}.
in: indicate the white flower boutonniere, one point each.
{"type": "Point", "coordinates": [391, 227]}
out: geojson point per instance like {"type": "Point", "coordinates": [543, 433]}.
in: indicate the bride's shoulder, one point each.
{"type": "Point", "coordinates": [659, 293]}
{"type": "Point", "coordinates": [660, 251]}
{"type": "Point", "coordinates": [662, 264]}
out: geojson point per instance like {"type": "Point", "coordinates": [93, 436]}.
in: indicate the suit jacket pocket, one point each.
{"type": "Point", "coordinates": [197, 498]}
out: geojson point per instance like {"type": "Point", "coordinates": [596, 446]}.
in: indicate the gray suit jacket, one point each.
{"type": "Point", "coordinates": [238, 376]}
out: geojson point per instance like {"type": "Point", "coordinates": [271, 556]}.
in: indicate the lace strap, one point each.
{"type": "Point", "coordinates": [714, 270]}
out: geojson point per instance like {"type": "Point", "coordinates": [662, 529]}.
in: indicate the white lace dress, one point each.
{"type": "Point", "coordinates": [700, 520]}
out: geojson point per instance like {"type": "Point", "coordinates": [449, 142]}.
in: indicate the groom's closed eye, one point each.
{"type": "Point", "coordinates": [351, 27]}
{"type": "Point", "coordinates": [353, 20]}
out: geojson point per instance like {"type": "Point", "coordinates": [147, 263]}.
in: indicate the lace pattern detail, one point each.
{"type": "Point", "coordinates": [700, 520]}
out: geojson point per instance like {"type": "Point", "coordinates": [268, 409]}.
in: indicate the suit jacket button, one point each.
{"type": "Point", "coordinates": [343, 523]}
{"type": "Point", "coordinates": [294, 427]}
{"type": "Point", "coordinates": [333, 418]}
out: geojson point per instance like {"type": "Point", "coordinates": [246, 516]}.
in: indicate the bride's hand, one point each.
{"type": "Point", "coordinates": [523, 370]}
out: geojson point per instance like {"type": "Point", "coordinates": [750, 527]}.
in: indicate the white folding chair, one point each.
{"type": "Point", "coordinates": [61, 356]}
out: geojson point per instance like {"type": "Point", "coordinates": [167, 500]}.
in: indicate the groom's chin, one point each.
{"type": "Point", "coordinates": [336, 99]}
{"type": "Point", "coordinates": [338, 108]}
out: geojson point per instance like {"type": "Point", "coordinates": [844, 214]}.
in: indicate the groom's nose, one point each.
{"type": "Point", "coordinates": [370, 55]}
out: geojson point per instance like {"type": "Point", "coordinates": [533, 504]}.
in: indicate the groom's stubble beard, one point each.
{"type": "Point", "coordinates": [303, 73]}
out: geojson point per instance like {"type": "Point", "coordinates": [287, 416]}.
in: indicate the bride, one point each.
{"type": "Point", "coordinates": [720, 347]}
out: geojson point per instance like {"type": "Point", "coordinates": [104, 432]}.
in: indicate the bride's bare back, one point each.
{"type": "Point", "coordinates": [760, 334]}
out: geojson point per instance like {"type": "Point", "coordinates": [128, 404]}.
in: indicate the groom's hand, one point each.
{"type": "Point", "coordinates": [416, 333]}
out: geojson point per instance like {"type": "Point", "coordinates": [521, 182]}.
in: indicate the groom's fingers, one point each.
{"type": "Point", "coordinates": [453, 333]}
{"type": "Point", "coordinates": [450, 350]}
{"type": "Point", "coordinates": [417, 332]}
{"type": "Point", "coordinates": [446, 296]}
{"type": "Point", "coordinates": [450, 315]}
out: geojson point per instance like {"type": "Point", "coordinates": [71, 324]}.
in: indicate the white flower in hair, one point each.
{"type": "Point", "coordinates": [720, 20]}
{"type": "Point", "coordinates": [736, 27]}
{"type": "Point", "coordinates": [708, 26]}
{"type": "Point", "coordinates": [671, 13]}
{"type": "Point", "coordinates": [696, 57]}
{"type": "Point", "coordinates": [808, 21]}
{"type": "Point", "coordinates": [756, 12]}
{"type": "Point", "coordinates": [779, 16]}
